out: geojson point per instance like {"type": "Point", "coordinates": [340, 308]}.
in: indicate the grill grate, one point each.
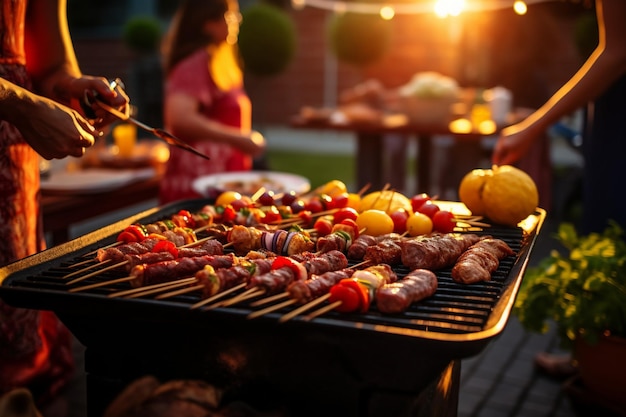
{"type": "Point", "coordinates": [455, 312]}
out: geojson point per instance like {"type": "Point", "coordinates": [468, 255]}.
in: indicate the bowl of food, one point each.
{"type": "Point", "coordinates": [249, 182]}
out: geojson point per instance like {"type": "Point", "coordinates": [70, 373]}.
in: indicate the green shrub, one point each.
{"type": "Point", "coordinates": [267, 39]}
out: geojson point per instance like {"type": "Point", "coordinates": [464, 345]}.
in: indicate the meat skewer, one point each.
{"type": "Point", "coordinates": [161, 251]}
{"type": "Point", "coordinates": [356, 293]}
{"type": "Point", "coordinates": [286, 270]}
{"type": "Point", "coordinates": [435, 251]}
{"type": "Point", "coordinates": [302, 292]}
{"type": "Point", "coordinates": [480, 260]}
{"type": "Point", "coordinates": [397, 296]}
{"type": "Point", "coordinates": [167, 270]}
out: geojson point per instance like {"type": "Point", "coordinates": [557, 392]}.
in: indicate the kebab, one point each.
{"type": "Point", "coordinates": [280, 242]}
{"type": "Point", "coordinates": [307, 293]}
{"type": "Point", "coordinates": [355, 294]}
{"type": "Point", "coordinates": [172, 270]}
{"type": "Point", "coordinates": [480, 260]}
{"type": "Point", "coordinates": [435, 251]}
{"type": "Point", "coordinates": [397, 296]}
{"type": "Point", "coordinates": [286, 270]}
{"type": "Point", "coordinates": [340, 238]}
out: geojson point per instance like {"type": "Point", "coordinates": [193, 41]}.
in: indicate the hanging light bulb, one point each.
{"type": "Point", "coordinates": [520, 7]}
{"type": "Point", "coordinates": [387, 12]}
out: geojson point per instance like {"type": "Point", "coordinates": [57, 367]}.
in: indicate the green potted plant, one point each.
{"type": "Point", "coordinates": [583, 292]}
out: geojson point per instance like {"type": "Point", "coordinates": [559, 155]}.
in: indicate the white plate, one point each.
{"type": "Point", "coordinates": [91, 181]}
{"type": "Point", "coordinates": [248, 182]}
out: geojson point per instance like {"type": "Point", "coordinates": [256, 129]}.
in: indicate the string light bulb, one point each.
{"type": "Point", "coordinates": [520, 7]}
{"type": "Point", "coordinates": [442, 8]}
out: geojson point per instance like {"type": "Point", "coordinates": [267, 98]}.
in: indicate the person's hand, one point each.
{"type": "Point", "coordinates": [258, 144]}
{"type": "Point", "coordinates": [513, 143]}
{"type": "Point", "coordinates": [91, 87]}
{"type": "Point", "coordinates": [53, 130]}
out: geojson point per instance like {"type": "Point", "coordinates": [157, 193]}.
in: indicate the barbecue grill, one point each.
{"type": "Point", "coordinates": [335, 364]}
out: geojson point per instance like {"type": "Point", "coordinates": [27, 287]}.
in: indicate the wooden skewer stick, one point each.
{"type": "Point", "coordinates": [258, 194]}
{"type": "Point", "coordinates": [85, 262]}
{"type": "Point", "coordinates": [304, 308]}
{"type": "Point", "coordinates": [86, 269]}
{"type": "Point", "coordinates": [269, 309]}
{"type": "Point", "coordinates": [140, 289]}
{"type": "Point", "coordinates": [250, 293]}
{"type": "Point", "coordinates": [175, 284]}
{"type": "Point", "coordinates": [322, 310]}
{"type": "Point", "coordinates": [101, 284]}
{"type": "Point", "coordinates": [364, 189]}
{"type": "Point", "coordinates": [275, 297]}
{"type": "Point", "coordinates": [94, 273]}
{"type": "Point", "coordinates": [104, 247]}
{"type": "Point", "coordinates": [219, 295]}
{"type": "Point", "coordinates": [179, 292]}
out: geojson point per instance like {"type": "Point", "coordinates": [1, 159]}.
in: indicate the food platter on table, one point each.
{"type": "Point", "coordinates": [249, 182]}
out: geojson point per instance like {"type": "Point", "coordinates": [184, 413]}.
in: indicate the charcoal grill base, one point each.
{"type": "Point", "coordinates": [343, 373]}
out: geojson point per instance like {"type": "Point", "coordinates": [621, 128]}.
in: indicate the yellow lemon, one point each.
{"type": "Point", "coordinates": [387, 201]}
{"type": "Point", "coordinates": [509, 195]}
{"type": "Point", "coordinates": [471, 190]}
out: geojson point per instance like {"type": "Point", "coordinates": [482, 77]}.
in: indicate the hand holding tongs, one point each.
{"type": "Point", "coordinates": [160, 133]}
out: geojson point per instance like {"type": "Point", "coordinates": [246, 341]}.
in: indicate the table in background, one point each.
{"type": "Point", "coordinates": [371, 135]}
{"type": "Point", "coordinates": [61, 211]}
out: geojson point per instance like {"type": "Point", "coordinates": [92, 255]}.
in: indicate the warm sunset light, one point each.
{"type": "Point", "coordinates": [444, 8]}
{"type": "Point", "coordinates": [460, 126]}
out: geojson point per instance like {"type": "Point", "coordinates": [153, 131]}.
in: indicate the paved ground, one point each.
{"type": "Point", "coordinates": [501, 381]}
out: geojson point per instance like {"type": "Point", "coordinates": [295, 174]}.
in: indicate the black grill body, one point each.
{"type": "Point", "coordinates": [336, 364]}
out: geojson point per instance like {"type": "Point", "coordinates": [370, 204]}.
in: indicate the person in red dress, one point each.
{"type": "Point", "coordinates": [41, 87]}
{"type": "Point", "coordinates": [205, 102]}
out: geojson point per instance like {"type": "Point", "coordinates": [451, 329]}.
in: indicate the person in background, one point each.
{"type": "Point", "coordinates": [205, 103]}
{"type": "Point", "coordinates": [41, 88]}
{"type": "Point", "coordinates": [602, 81]}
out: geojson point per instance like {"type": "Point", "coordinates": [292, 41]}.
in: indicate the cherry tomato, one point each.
{"type": "Point", "coordinates": [353, 296]}
{"type": "Point", "coordinates": [242, 203]}
{"type": "Point", "coordinates": [314, 205]}
{"type": "Point", "coordinates": [166, 246]}
{"type": "Point", "coordinates": [428, 208]}
{"type": "Point", "coordinates": [126, 237]}
{"type": "Point", "coordinates": [374, 222]}
{"type": "Point", "coordinates": [271, 215]}
{"type": "Point", "coordinates": [443, 221]}
{"type": "Point", "coordinates": [345, 213]}
{"type": "Point", "coordinates": [323, 226]}
{"type": "Point", "coordinates": [339, 201]}
{"type": "Point", "coordinates": [419, 224]}
{"type": "Point", "coordinates": [138, 231]}
{"type": "Point", "coordinates": [399, 218]}
{"type": "Point", "coordinates": [228, 214]}
{"type": "Point", "coordinates": [184, 219]}
{"type": "Point", "coordinates": [306, 217]}
{"type": "Point", "coordinates": [418, 200]}
{"type": "Point", "coordinates": [355, 227]}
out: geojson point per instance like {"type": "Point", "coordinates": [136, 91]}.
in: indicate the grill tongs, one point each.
{"type": "Point", "coordinates": [160, 133]}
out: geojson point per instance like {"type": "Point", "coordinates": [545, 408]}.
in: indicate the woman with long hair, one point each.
{"type": "Point", "coordinates": [205, 102]}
